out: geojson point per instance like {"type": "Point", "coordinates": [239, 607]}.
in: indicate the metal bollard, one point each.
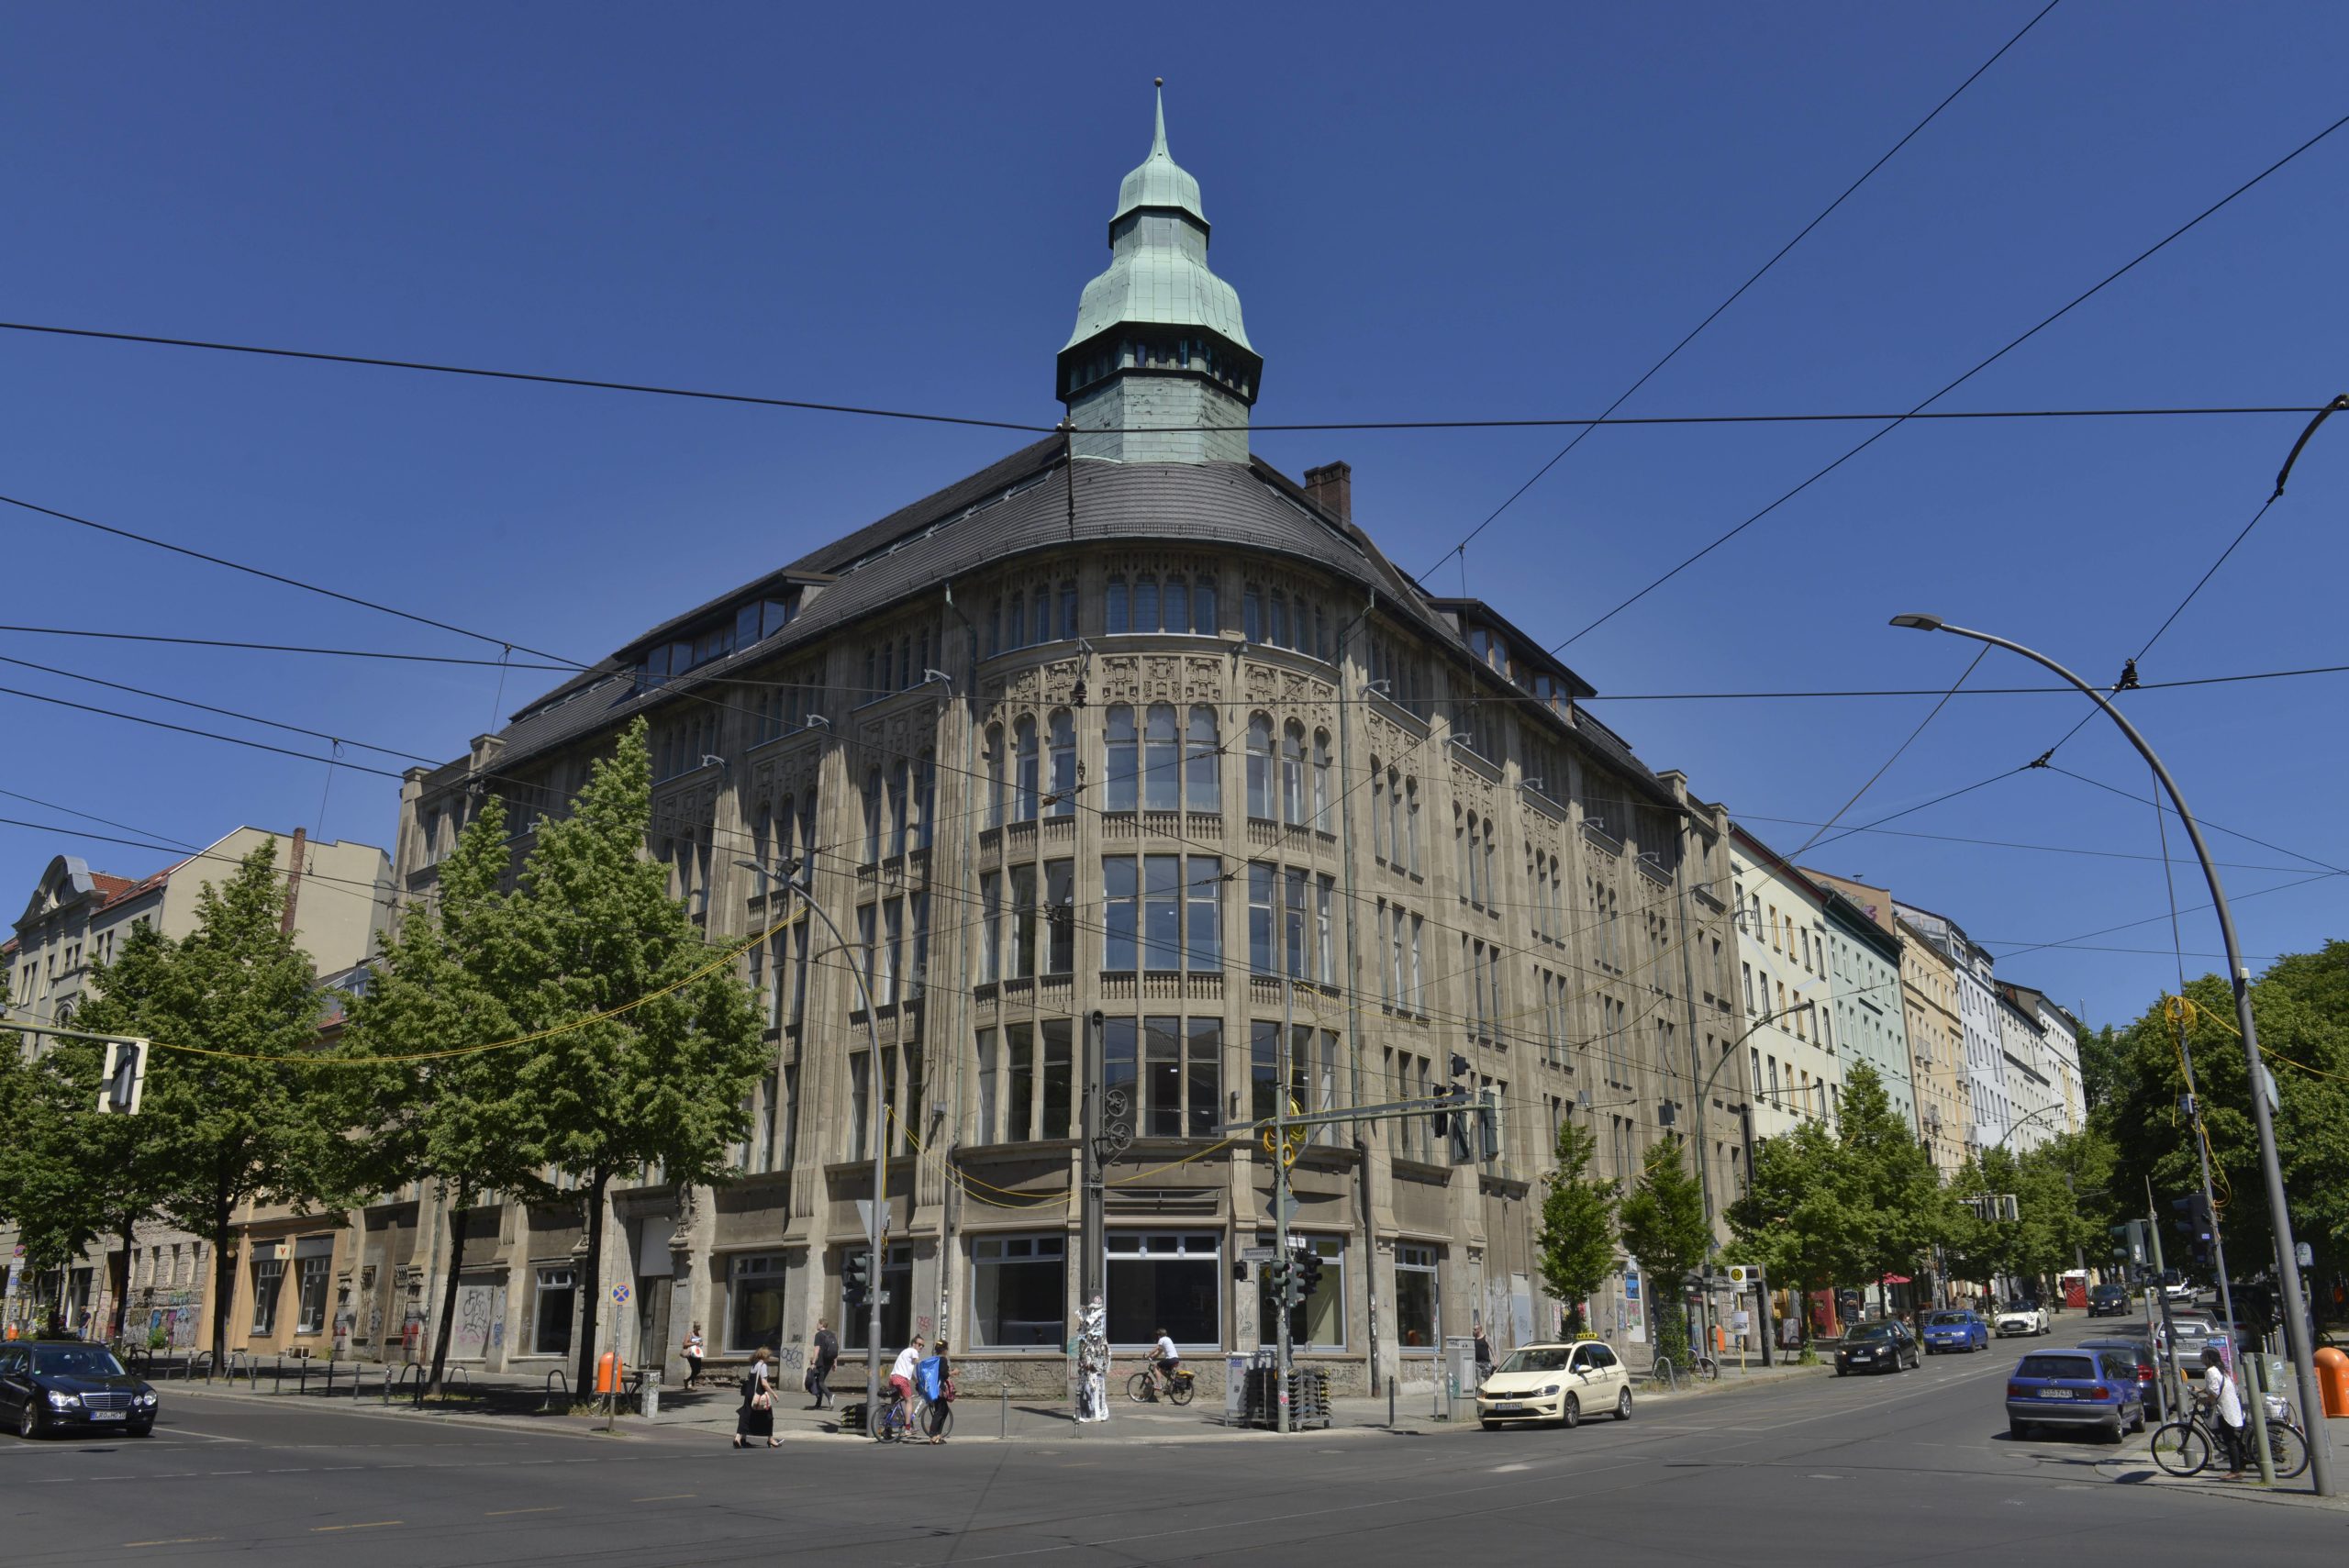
{"type": "Point", "coordinates": [1390, 1403]}
{"type": "Point", "coordinates": [1003, 1411]}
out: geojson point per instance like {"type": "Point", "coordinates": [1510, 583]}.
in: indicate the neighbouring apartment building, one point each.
{"type": "Point", "coordinates": [1158, 736]}
{"type": "Point", "coordinates": [338, 899]}
{"type": "Point", "coordinates": [1937, 1041]}
{"type": "Point", "coordinates": [1784, 988]}
{"type": "Point", "coordinates": [1988, 1106]}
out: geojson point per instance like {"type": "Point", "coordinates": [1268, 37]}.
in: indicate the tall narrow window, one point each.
{"type": "Point", "coordinates": [991, 926]}
{"type": "Point", "coordinates": [1023, 922]}
{"type": "Point", "coordinates": [1117, 615]}
{"type": "Point", "coordinates": [900, 787]}
{"type": "Point", "coordinates": [1162, 912]}
{"type": "Point", "coordinates": [1379, 837]}
{"type": "Point", "coordinates": [1293, 927]}
{"type": "Point", "coordinates": [926, 799]}
{"type": "Point", "coordinates": [1163, 1076]}
{"type": "Point", "coordinates": [1251, 614]}
{"type": "Point", "coordinates": [872, 814]}
{"type": "Point", "coordinates": [1260, 918]}
{"type": "Point", "coordinates": [1119, 1064]}
{"type": "Point", "coordinates": [1204, 916]}
{"type": "Point", "coordinates": [1202, 761]}
{"type": "Point", "coordinates": [1321, 781]}
{"type": "Point", "coordinates": [1063, 766]}
{"type": "Point", "coordinates": [1178, 604]}
{"type": "Point", "coordinates": [1292, 774]}
{"type": "Point", "coordinates": [1058, 1082]}
{"type": "Point", "coordinates": [1259, 767]}
{"type": "Point", "coordinates": [1121, 912]}
{"type": "Point", "coordinates": [994, 775]}
{"type": "Point", "coordinates": [918, 917]}
{"type": "Point", "coordinates": [1324, 941]}
{"type": "Point", "coordinates": [1412, 789]}
{"type": "Point", "coordinates": [1019, 1082]}
{"type": "Point", "coordinates": [1146, 603]}
{"type": "Point", "coordinates": [1023, 798]}
{"type": "Point", "coordinates": [1161, 759]}
{"type": "Point", "coordinates": [1060, 916]}
{"type": "Point", "coordinates": [893, 951]}
{"type": "Point", "coordinates": [1203, 616]}
{"type": "Point", "coordinates": [1205, 1075]}
{"type": "Point", "coordinates": [1124, 759]}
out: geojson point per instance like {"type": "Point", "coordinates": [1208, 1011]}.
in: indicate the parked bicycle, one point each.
{"type": "Point", "coordinates": [2188, 1446]}
{"type": "Point", "coordinates": [1143, 1388]}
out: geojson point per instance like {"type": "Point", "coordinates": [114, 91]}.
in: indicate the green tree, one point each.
{"type": "Point", "coordinates": [1894, 1185]}
{"type": "Point", "coordinates": [420, 1108]}
{"type": "Point", "coordinates": [1576, 1247]}
{"type": "Point", "coordinates": [1663, 1223]}
{"type": "Point", "coordinates": [1800, 1218]}
{"type": "Point", "coordinates": [648, 1075]}
{"type": "Point", "coordinates": [230, 1110]}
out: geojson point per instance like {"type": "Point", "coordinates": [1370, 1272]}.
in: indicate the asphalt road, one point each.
{"type": "Point", "coordinates": [1914, 1468]}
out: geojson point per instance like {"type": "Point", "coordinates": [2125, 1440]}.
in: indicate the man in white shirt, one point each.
{"type": "Point", "coordinates": [1166, 1359]}
{"type": "Point", "coordinates": [901, 1378]}
{"type": "Point", "coordinates": [2225, 1404]}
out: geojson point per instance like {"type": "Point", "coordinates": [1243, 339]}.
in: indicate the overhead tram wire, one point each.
{"type": "Point", "coordinates": [2000, 843]}
{"type": "Point", "coordinates": [1885, 767]}
{"type": "Point", "coordinates": [1976, 369]}
{"type": "Point", "coordinates": [1739, 293]}
{"type": "Point", "coordinates": [222, 712]}
{"type": "Point", "coordinates": [289, 648]}
{"type": "Point", "coordinates": [88, 816]}
{"type": "Point", "coordinates": [2205, 822]}
{"type": "Point", "coordinates": [205, 734]}
{"type": "Point", "coordinates": [2022, 947]}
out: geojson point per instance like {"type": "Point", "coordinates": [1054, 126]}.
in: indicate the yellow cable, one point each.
{"type": "Point", "coordinates": [316, 1060]}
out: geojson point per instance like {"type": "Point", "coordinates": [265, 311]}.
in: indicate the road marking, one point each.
{"type": "Point", "coordinates": [371, 1524]}
{"type": "Point", "coordinates": [666, 1498]}
{"type": "Point", "coordinates": [501, 1513]}
{"type": "Point", "coordinates": [176, 1541]}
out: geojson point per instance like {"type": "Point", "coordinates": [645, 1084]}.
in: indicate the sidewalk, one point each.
{"type": "Point", "coordinates": [2136, 1468]}
{"type": "Point", "coordinates": [983, 1413]}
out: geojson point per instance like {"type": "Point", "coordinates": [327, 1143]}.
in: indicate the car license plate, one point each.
{"type": "Point", "coordinates": [109, 1415]}
{"type": "Point", "coordinates": [2054, 1394]}
{"type": "Point", "coordinates": [1510, 1409]}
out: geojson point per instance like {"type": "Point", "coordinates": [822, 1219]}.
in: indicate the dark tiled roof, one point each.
{"type": "Point", "coordinates": [1017, 507]}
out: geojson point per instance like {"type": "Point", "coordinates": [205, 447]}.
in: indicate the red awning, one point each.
{"type": "Point", "coordinates": [1896, 1279]}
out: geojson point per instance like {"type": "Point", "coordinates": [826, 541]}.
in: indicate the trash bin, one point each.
{"type": "Point", "coordinates": [2332, 1381]}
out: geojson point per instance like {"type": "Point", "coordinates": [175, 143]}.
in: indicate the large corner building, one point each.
{"type": "Point", "coordinates": [1128, 724]}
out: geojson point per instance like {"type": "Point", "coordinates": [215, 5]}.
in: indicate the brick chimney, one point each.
{"type": "Point", "coordinates": [1331, 486]}
{"type": "Point", "coordinates": [294, 857]}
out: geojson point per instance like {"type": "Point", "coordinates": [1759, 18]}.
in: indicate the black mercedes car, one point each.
{"type": "Point", "coordinates": [2108, 1301]}
{"type": "Point", "coordinates": [48, 1386]}
{"type": "Point", "coordinates": [1876, 1347]}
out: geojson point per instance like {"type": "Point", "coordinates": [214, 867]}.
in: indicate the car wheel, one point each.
{"type": "Point", "coordinates": [147, 1431]}
{"type": "Point", "coordinates": [1491, 1426]}
{"type": "Point", "coordinates": [1842, 1371]}
{"type": "Point", "coordinates": [2017, 1430]}
{"type": "Point", "coordinates": [1623, 1404]}
{"type": "Point", "coordinates": [1569, 1413]}
{"type": "Point", "coordinates": [28, 1420]}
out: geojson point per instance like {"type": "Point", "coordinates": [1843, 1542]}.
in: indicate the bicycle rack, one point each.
{"type": "Point", "coordinates": [547, 1390]}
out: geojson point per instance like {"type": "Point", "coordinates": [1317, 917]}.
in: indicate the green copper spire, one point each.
{"type": "Point", "coordinates": [1158, 342]}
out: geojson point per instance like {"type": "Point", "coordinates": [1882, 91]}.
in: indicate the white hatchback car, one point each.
{"type": "Point", "coordinates": [2021, 1318]}
{"type": "Point", "coordinates": [1561, 1382]}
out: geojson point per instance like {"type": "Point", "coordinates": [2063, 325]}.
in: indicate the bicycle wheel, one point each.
{"type": "Point", "coordinates": [2287, 1450]}
{"type": "Point", "coordinates": [1138, 1388]}
{"type": "Point", "coordinates": [1183, 1388]}
{"type": "Point", "coordinates": [1707, 1369]}
{"type": "Point", "coordinates": [941, 1419]}
{"type": "Point", "coordinates": [2180, 1448]}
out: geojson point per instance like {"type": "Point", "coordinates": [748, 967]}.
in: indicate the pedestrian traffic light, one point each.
{"type": "Point", "coordinates": [1308, 1273]}
{"type": "Point", "coordinates": [855, 1279]}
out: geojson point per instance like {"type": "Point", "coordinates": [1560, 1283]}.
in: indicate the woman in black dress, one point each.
{"type": "Point", "coordinates": [756, 1418]}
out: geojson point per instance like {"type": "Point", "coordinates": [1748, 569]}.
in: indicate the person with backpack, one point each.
{"type": "Point", "coordinates": [823, 1354]}
{"type": "Point", "coordinates": [935, 1377]}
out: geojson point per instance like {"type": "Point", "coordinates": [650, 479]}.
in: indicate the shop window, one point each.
{"type": "Point", "coordinates": [754, 1315]}
{"type": "Point", "coordinates": [1415, 1297]}
{"type": "Point", "coordinates": [1165, 1281]}
{"type": "Point", "coordinates": [551, 1322]}
{"type": "Point", "coordinates": [1019, 1291]}
{"type": "Point", "coordinates": [269, 1276]}
{"type": "Point", "coordinates": [310, 1292]}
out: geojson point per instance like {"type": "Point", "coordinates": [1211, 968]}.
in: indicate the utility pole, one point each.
{"type": "Point", "coordinates": [1089, 1215]}
{"type": "Point", "coordinates": [2255, 1077]}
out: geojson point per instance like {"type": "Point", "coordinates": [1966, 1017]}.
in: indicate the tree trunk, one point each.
{"type": "Point", "coordinates": [224, 1282]}
{"type": "Point", "coordinates": [591, 1287]}
{"type": "Point", "coordinates": [122, 1292]}
{"type": "Point", "coordinates": [448, 1286]}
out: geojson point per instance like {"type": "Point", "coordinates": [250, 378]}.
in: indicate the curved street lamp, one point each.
{"type": "Point", "coordinates": [2287, 1268]}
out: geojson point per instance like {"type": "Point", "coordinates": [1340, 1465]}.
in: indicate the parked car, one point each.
{"type": "Point", "coordinates": [1557, 1383]}
{"type": "Point", "coordinates": [2108, 1301]}
{"type": "Point", "coordinates": [48, 1386]}
{"type": "Point", "coordinates": [2175, 1286]}
{"type": "Point", "coordinates": [2022, 1318]}
{"type": "Point", "coordinates": [1884, 1346]}
{"type": "Point", "coordinates": [2140, 1353]}
{"type": "Point", "coordinates": [2075, 1388]}
{"type": "Point", "coordinates": [1956, 1329]}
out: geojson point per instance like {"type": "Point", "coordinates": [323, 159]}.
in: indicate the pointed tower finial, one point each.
{"type": "Point", "coordinates": [1158, 142]}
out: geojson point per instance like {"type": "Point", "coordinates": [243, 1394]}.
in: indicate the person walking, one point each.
{"type": "Point", "coordinates": [756, 1418]}
{"type": "Point", "coordinates": [936, 1378]}
{"type": "Point", "coordinates": [2224, 1401]}
{"type": "Point", "coordinates": [692, 1349]}
{"type": "Point", "coordinates": [823, 1354]}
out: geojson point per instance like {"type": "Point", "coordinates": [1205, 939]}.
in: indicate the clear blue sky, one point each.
{"type": "Point", "coordinates": [1453, 213]}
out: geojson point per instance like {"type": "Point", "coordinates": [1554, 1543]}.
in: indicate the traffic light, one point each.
{"type": "Point", "coordinates": [856, 1279]}
{"type": "Point", "coordinates": [126, 1078]}
{"type": "Point", "coordinates": [1308, 1273]}
{"type": "Point", "coordinates": [2120, 1234]}
{"type": "Point", "coordinates": [1488, 1123]}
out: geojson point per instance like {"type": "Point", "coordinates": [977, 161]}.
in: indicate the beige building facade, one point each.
{"type": "Point", "coordinates": [1937, 1039]}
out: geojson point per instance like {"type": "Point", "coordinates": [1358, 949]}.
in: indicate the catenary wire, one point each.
{"type": "Point", "coordinates": [222, 712]}
{"type": "Point", "coordinates": [286, 647]}
{"type": "Point", "coordinates": [206, 734]}
{"type": "Point", "coordinates": [1739, 293]}
{"type": "Point", "coordinates": [1931, 713]}
{"type": "Point", "coordinates": [1977, 368]}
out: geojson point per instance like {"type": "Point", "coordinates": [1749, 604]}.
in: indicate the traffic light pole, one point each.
{"type": "Point", "coordinates": [2288, 1264]}
{"type": "Point", "coordinates": [2255, 1397]}
{"type": "Point", "coordinates": [1280, 1200]}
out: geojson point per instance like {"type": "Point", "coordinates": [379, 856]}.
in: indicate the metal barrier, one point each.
{"type": "Point", "coordinates": [554, 1376]}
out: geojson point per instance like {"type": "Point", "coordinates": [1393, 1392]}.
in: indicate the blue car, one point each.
{"type": "Point", "coordinates": [2098, 1389]}
{"type": "Point", "coordinates": [1956, 1330]}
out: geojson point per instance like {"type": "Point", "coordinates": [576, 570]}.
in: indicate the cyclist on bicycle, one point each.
{"type": "Point", "coordinates": [901, 1382]}
{"type": "Point", "coordinates": [1166, 1360]}
{"type": "Point", "coordinates": [2224, 1402]}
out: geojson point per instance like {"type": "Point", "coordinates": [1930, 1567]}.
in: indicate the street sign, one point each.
{"type": "Point", "coordinates": [620, 1296]}
{"type": "Point", "coordinates": [1743, 1277]}
{"type": "Point", "coordinates": [1255, 1254]}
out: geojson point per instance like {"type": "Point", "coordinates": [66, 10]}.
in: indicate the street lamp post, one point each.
{"type": "Point", "coordinates": [2287, 1268]}
{"type": "Point", "coordinates": [880, 1145]}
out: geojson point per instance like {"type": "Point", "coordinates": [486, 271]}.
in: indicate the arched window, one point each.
{"type": "Point", "coordinates": [994, 775]}
{"type": "Point", "coordinates": [1124, 759]}
{"type": "Point", "coordinates": [1161, 759]}
{"type": "Point", "coordinates": [1063, 776]}
{"type": "Point", "coordinates": [1120, 616]}
{"type": "Point", "coordinates": [1293, 773]}
{"type": "Point", "coordinates": [1202, 762]}
{"type": "Point", "coordinates": [1146, 603]}
{"type": "Point", "coordinates": [1321, 781]}
{"type": "Point", "coordinates": [1380, 843]}
{"type": "Point", "coordinates": [1259, 767]}
{"type": "Point", "coordinates": [872, 814]}
{"type": "Point", "coordinates": [762, 835]}
{"type": "Point", "coordinates": [1023, 786]}
{"type": "Point", "coordinates": [898, 785]}
{"type": "Point", "coordinates": [787, 821]}
{"type": "Point", "coordinates": [1203, 616]}
{"type": "Point", "coordinates": [925, 799]}
{"type": "Point", "coordinates": [1398, 826]}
